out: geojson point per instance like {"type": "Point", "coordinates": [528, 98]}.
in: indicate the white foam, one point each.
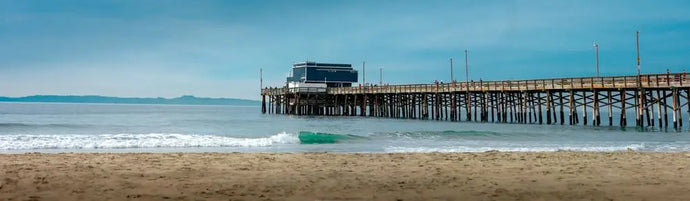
{"type": "Point", "coordinates": [151, 140]}
{"type": "Point", "coordinates": [634, 147]}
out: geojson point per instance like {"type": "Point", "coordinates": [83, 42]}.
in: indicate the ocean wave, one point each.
{"type": "Point", "coordinates": [631, 147]}
{"type": "Point", "coordinates": [307, 137]}
{"type": "Point", "coordinates": [25, 125]}
{"type": "Point", "coordinates": [151, 140]}
{"type": "Point", "coordinates": [439, 134]}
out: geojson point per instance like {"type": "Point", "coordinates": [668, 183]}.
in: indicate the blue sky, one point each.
{"type": "Point", "coordinates": [215, 48]}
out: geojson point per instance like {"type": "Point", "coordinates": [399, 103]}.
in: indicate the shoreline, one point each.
{"type": "Point", "coordinates": [213, 150]}
{"type": "Point", "coordinates": [490, 175]}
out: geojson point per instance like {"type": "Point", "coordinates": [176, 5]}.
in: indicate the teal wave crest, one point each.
{"type": "Point", "coordinates": [306, 137]}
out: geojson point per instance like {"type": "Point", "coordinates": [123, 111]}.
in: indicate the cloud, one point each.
{"type": "Point", "coordinates": [216, 48]}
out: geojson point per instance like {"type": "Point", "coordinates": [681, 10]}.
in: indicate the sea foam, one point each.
{"type": "Point", "coordinates": [150, 140]}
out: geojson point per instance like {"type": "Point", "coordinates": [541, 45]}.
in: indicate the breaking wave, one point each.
{"type": "Point", "coordinates": [630, 147]}
{"type": "Point", "coordinates": [151, 140]}
{"type": "Point", "coordinates": [306, 137]}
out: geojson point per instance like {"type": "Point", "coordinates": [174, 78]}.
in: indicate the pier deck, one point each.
{"type": "Point", "coordinates": [649, 97]}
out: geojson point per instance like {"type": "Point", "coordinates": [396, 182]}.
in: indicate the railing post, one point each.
{"type": "Point", "coordinates": [625, 81]}
{"type": "Point", "coordinates": [481, 85]}
{"type": "Point", "coordinates": [648, 81]}
{"type": "Point", "coordinates": [681, 80]}
{"type": "Point", "coordinates": [656, 79]}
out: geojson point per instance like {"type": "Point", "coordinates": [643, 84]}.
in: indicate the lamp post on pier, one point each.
{"type": "Point", "coordinates": [637, 42]}
{"type": "Point", "coordinates": [467, 72]}
{"type": "Point", "coordinates": [364, 75]}
{"type": "Point", "coordinates": [381, 76]}
{"type": "Point", "coordinates": [637, 47]}
{"type": "Point", "coordinates": [596, 49]}
{"type": "Point", "coordinates": [451, 70]}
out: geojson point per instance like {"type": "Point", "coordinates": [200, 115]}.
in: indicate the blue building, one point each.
{"type": "Point", "coordinates": [334, 75]}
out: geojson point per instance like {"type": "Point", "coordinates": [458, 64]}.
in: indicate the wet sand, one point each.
{"type": "Point", "coordinates": [328, 176]}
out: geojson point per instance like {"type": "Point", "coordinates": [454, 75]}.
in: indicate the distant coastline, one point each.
{"type": "Point", "coordinates": [182, 100]}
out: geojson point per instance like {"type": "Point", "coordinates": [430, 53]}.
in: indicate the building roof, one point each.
{"type": "Point", "coordinates": [315, 64]}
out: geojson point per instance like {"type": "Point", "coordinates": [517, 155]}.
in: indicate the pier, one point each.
{"type": "Point", "coordinates": [656, 100]}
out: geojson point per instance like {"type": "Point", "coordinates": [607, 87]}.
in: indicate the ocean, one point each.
{"type": "Point", "coordinates": [69, 127]}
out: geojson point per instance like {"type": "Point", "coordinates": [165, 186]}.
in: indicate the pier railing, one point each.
{"type": "Point", "coordinates": [613, 82]}
{"type": "Point", "coordinates": [667, 80]}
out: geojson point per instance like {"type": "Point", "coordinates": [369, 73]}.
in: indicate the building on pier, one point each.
{"type": "Point", "coordinates": [333, 75]}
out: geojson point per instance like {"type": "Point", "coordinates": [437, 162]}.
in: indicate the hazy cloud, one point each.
{"type": "Point", "coordinates": [214, 48]}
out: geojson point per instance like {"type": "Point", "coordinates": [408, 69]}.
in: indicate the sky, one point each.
{"type": "Point", "coordinates": [150, 48]}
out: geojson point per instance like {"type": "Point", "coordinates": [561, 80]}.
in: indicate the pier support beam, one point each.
{"type": "Point", "coordinates": [548, 107]}
{"type": "Point", "coordinates": [674, 95]}
{"type": "Point", "coordinates": [539, 106]}
{"type": "Point", "coordinates": [584, 108]}
{"type": "Point", "coordinates": [263, 104]}
{"type": "Point", "coordinates": [610, 107]}
{"type": "Point", "coordinates": [595, 109]}
{"type": "Point", "coordinates": [623, 118]}
{"type": "Point", "coordinates": [560, 103]}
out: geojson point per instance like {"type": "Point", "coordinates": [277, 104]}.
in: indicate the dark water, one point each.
{"type": "Point", "coordinates": [51, 127]}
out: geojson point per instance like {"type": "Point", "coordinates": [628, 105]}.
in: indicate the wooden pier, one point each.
{"type": "Point", "coordinates": [573, 101]}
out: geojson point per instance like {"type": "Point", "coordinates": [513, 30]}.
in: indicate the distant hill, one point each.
{"type": "Point", "coordinates": [183, 100]}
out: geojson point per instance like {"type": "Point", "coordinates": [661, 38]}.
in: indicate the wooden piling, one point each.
{"type": "Point", "coordinates": [680, 114]}
{"type": "Point", "coordinates": [263, 104]}
{"type": "Point", "coordinates": [437, 106]}
{"type": "Point", "coordinates": [493, 105]}
{"type": "Point", "coordinates": [663, 101]}
{"type": "Point", "coordinates": [674, 95]}
{"type": "Point", "coordinates": [553, 108]}
{"type": "Point", "coordinates": [445, 106]}
{"type": "Point", "coordinates": [522, 97]}
{"type": "Point", "coordinates": [560, 103]}
{"type": "Point", "coordinates": [485, 106]}
{"type": "Point", "coordinates": [475, 103]}
{"type": "Point", "coordinates": [610, 107]}
{"type": "Point", "coordinates": [687, 101]}
{"type": "Point", "coordinates": [452, 107]}
{"type": "Point", "coordinates": [640, 107]}
{"type": "Point", "coordinates": [518, 103]}
{"type": "Point", "coordinates": [504, 107]}
{"type": "Point", "coordinates": [623, 118]}
{"type": "Point", "coordinates": [539, 106]}
{"type": "Point", "coordinates": [548, 107]}
{"type": "Point", "coordinates": [646, 107]}
{"type": "Point", "coordinates": [529, 107]}
{"type": "Point", "coordinates": [511, 106]}
{"type": "Point", "coordinates": [595, 109]}
{"type": "Point", "coordinates": [584, 108]}
{"type": "Point", "coordinates": [657, 103]}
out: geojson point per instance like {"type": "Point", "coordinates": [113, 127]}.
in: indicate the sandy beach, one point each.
{"type": "Point", "coordinates": [328, 176]}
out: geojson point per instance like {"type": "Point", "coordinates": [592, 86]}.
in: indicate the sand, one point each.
{"type": "Point", "coordinates": [328, 176]}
